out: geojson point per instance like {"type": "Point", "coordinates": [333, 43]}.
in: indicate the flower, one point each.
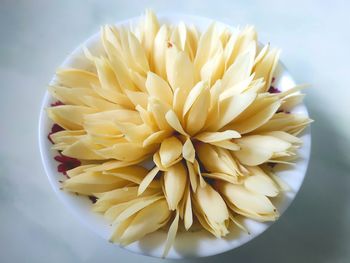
{"type": "Point", "coordinates": [198, 106]}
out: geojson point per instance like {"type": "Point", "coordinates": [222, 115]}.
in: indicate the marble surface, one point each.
{"type": "Point", "coordinates": [36, 35]}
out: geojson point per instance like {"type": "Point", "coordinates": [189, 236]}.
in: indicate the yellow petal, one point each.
{"type": "Point", "coordinates": [213, 208]}
{"type": "Point", "coordinates": [188, 151]}
{"type": "Point", "coordinates": [155, 138]}
{"type": "Point", "coordinates": [284, 136]}
{"type": "Point", "coordinates": [265, 142]}
{"type": "Point", "coordinates": [170, 150]}
{"type": "Point", "coordinates": [211, 160]}
{"type": "Point", "coordinates": [266, 67]}
{"type": "Point", "coordinates": [134, 133]}
{"type": "Point", "coordinates": [84, 149]}
{"type": "Point", "coordinates": [68, 116]}
{"type": "Point", "coordinates": [193, 95]}
{"type": "Point", "coordinates": [106, 75]}
{"type": "Point", "coordinates": [258, 113]}
{"type": "Point", "coordinates": [159, 109]}
{"type": "Point", "coordinates": [171, 235]}
{"type": "Point", "coordinates": [137, 54]}
{"type": "Point", "coordinates": [100, 103]}
{"type": "Point", "coordinates": [147, 180]}
{"type": "Point", "coordinates": [151, 27]}
{"type": "Point", "coordinates": [246, 200]}
{"type": "Point", "coordinates": [240, 44]}
{"type": "Point", "coordinates": [111, 165]}
{"type": "Point", "coordinates": [179, 69]}
{"type": "Point", "coordinates": [174, 122]}
{"type": "Point", "coordinates": [145, 221]}
{"type": "Point", "coordinates": [285, 122]}
{"type": "Point", "coordinates": [90, 183]}
{"type": "Point", "coordinates": [159, 51]}
{"type": "Point", "coordinates": [192, 176]}
{"type": "Point", "coordinates": [262, 53]}
{"type": "Point", "coordinates": [147, 117]}
{"type": "Point", "coordinates": [209, 137]}
{"type": "Point", "coordinates": [188, 216]}
{"type": "Point", "coordinates": [213, 69]}
{"type": "Point", "coordinates": [257, 120]}
{"type": "Point", "coordinates": [208, 45]}
{"type": "Point", "coordinates": [260, 183]}
{"type": "Point", "coordinates": [121, 116]}
{"type": "Point", "coordinates": [174, 184]}
{"type": "Point", "coordinates": [221, 176]}
{"type": "Point", "coordinates": [237, 88]}
{"type": "Point", "coordinates": [137, 98]}
{"type": "Point", "coordinates": [291, 101]}
{"type": "Point", "coordinates": [227, 144]}
{"type": "Point", "coordinates": [133, 209]}
{"type": "Point", "coordinates": [231, 107]}
{"type": "Point", "coordinates": [116, 196]}
{"type": "Point", "coordinates": [115, 210]}
{"type": "Point", "coordinates": [241, 69]}
{"type": "Point", "coordinates": [69, 95]}
{"type": "Point", "coordinates": [132, 173]}
{"type": "Point", "coordinates": [198, 171]}
{"type": "Point", "coordinates": [159, 88]}
{"type": "Point", "coordinates": [197, 115]}
{"type": "Point", "coordinates": [257, 149]}
{"type": "Point", "coordinates": [76, 78]}
{"type": "Point", "coordinates": [156, 160]}
{"type": "Point", "coordinates": [125, 151]}
{"type": "Point", "coordinates": [79, 170]}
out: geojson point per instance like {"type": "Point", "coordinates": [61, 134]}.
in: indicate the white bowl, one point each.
{"type": "Point", "coordinates": [187, 244]}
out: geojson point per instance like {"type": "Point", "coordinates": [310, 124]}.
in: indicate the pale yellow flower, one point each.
{"type": "Point", "coordinates": [197, 107]}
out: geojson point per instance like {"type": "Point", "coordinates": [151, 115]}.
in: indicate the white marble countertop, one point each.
{"type": "Point", "coordinates": [36, 35]}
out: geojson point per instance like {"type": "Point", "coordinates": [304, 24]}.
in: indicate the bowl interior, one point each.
{"type": "Point", "coordinates": [187, 244]}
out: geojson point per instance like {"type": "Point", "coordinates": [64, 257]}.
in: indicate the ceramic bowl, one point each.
{"type": "Point", "coordinates": [187, 244]}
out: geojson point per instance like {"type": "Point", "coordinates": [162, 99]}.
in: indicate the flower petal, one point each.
{"type": "Point", "coordinates": [227, 144]}
{"type": "Point", "coordinates": [192, 176]}
{"type": "Point", "coordinates": [171, 235]}
{"type": "Point", "coordinates": [210, 159]}
{"type": "Point", "coordinates": [246, 200]}
{"type": "Point", "coordinates": [174, 122]}
{"type": "Point", "coordinates": [90, 183]}
{"type": "Point", "coordinates": [136, 207]}
{"type": "Point", "coordinates": [241, 69]}
{"type": "Point", "coordinates": [266, 67]}
{"type": "Point", "coordinates": [193, 95]}
{"type": "Point", "coordinates": [174, 184]}
{"type": "Point", "coordinates": [213, 209]}
{"type": "Point", "coordinates": [209, 137]}
{"type": "Point", "coordinates": [159, 51]}
{"type": "Point", "coordinates": [179, 69]}
{"type": "Point", "coordinates": [188, 151]}
{"type": "Point", "coordinates": [197, 115]}
{"type": "Point", "coordinates": [147, 180]}
{"type": "Point", "coordinates": [76, 78]}
{"type": "Point", "coordinates": [260, 183]}
{"type": "Point", "coordinates": [170, 150]}
{"type": "Point", "coordinates": [145, 221]}
{"type": "Point", "coordinates": [68, 116]}
{"type": "Point", "coordinates": [159, 109]}
{"type": "Point", "coordinates": [231, 107]}
{"type": "Point", "coordinates": [257, 149]}
{"type": "Point", "coordinates": [159, 88]}
{"type": "Point", "coordinates": [156, 137]}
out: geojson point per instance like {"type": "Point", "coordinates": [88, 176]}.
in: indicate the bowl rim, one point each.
{"type": "Point", "coordinates": [51, 172]}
